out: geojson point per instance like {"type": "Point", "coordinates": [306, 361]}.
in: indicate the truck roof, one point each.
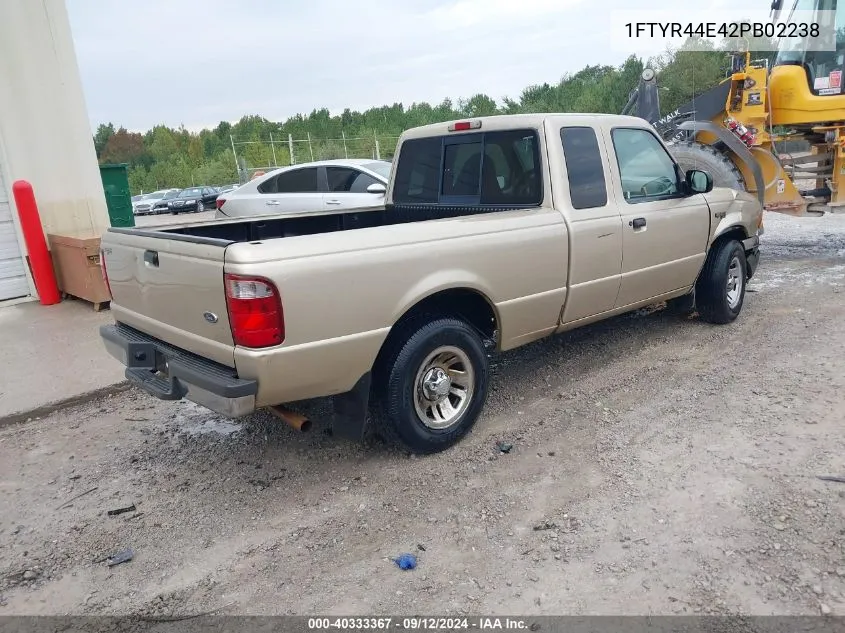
{"type": "Point", "coordinates": [512, 121]}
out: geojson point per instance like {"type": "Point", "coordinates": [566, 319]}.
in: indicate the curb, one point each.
{"type": "Point", "coordinates": [47, 409]}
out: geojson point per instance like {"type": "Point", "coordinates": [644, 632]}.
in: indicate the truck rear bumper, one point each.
{"type": "Point", "coordinates": [170, 373]}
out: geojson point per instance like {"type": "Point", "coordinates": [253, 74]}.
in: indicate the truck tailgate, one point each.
{"type": "Point", "coordinates": [171, 289]}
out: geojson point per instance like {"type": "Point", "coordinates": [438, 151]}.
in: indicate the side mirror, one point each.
{"type": "Point", "coordinates": [699, 181]}
{"type": "Point", "coordinates": [376, 187]}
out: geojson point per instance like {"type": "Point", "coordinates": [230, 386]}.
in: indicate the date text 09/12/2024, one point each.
{"type": "Point", "coordinates": [417, 623]}
{"type": "Point", "coordinates": [726, 30]}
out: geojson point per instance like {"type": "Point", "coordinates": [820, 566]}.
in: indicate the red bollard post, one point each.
{"type": "Point", "coordinates": [36, 246]}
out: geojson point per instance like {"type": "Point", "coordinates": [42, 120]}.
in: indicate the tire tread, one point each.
{"type": "Point", "coordinates": [387, 401]}
{"type": "Point", "coordinates": [709, 291]}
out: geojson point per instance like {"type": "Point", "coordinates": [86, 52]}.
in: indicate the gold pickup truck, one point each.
{"type": "Point", "coordinates": [495, 232]}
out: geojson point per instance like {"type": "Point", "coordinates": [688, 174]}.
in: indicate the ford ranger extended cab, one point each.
{"type": "Point", "coordinates": [495, 232]}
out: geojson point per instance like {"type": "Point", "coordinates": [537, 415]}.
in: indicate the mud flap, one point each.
{"type": "Point", "coordinates": [753, 259]}
{"type": "Point", "coordinates": [351, 409]}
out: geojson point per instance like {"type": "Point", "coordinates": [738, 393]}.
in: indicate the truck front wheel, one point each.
{"type": "Point", "coordinates": [432, 385]}
{"type": "Point", "coordinates": [720, 289]}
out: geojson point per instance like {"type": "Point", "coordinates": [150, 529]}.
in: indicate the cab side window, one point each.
{"type": "Point", "coordinates": [646, 168]}
{"type": "Point", "coordinates": [584, 167]}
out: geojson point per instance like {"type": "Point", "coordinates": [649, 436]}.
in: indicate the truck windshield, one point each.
{"type": "Point", "coordinates": [824, 68]}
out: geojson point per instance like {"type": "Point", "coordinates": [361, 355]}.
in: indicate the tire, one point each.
{"type": "Point", "coordinates": [411, 368]}
{"type": "Point", "coordinates": [720, 289]}
{"type": "Point", "coordinates": [200, 207]}
{"type": "Point", "coordinates": [692, 155]}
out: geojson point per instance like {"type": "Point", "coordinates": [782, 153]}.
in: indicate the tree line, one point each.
{"type": "Point", "coordinates": [174, 157]}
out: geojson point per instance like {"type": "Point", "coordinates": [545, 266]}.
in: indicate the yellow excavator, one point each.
{"type": "Point", "coordinates": [734, 130]}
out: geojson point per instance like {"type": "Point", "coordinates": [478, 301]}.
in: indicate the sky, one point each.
{"type": "Point", "coordinates": [192, 63]}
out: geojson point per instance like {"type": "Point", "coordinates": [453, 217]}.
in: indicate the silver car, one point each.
{"type": "Point", "coordinates": [146, 204]}
{"type": "Point", "coordinates": [317, 186]}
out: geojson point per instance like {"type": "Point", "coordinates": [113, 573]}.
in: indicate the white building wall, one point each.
{"type": "Point", "coordinates": [45, 136]}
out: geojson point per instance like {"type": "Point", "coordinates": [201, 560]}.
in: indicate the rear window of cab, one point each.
{"type": "Point", "coordinates": [500, 169]}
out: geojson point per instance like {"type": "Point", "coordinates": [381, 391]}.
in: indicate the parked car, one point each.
{"type": "Point", "coordinates": [161, 206]}
{"type": "Point", "coordinates": [227, 189]}
{"type": "Point", "coordinates": [192, 200]}
{"type": "Point", "coordinates": [317, 186]}
{"type": "Point", "coordinates": [496, 232]}
{"type": "Point", "coordinates": [146, 205]}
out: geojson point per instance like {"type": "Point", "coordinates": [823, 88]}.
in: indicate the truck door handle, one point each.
{"type": "Point", "coordinates": [332, 201]}
{"type": "Point", "coordinates": [272, 203]}
{"type": "Point", "coordinates": [637, 223]}
{"type": "Point", "coordinates": [151, 258]}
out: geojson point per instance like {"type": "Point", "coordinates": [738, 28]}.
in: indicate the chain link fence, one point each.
{"type": "Point", "coordinates": [256, 156]}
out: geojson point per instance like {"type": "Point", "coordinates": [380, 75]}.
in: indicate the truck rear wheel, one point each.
{"type": "Point", "coordinates": [720, 289]}
{"type": "Point", "coordinates": [432, 384]}
{"type": "Point", "coordinates": [691, 155]}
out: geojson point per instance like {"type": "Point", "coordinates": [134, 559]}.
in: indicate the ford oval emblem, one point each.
{"type": "Point", "coordinates": [210, 317]}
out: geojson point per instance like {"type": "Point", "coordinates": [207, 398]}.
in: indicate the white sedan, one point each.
{"type": "Point", "coordinates": [146, 203]}
{"type": "Point", "coordinates": [317, 186]}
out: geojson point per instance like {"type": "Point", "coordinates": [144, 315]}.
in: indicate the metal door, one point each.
{"type": "Point", "coordinates": [13, 282]}
{"type": "Point", "coordinates": [116, 187]}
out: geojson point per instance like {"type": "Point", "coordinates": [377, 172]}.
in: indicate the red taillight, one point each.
{"type": "Point", "coordinates": [464, 125]}
{"type": "Point", "coordinates": [105, 272]}
{"type": "Point", "coordinates": [255, 311]}
{"type": "Point", "coordinates": [220, 202]}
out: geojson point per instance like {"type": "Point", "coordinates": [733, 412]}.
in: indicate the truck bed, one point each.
{"type": "Point", "coordinates": [223, 232]}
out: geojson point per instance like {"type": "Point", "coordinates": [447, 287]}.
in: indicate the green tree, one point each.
{"type": "Point", "coordinates": [689, 71]}
{"type": "Point", "coordinates": [162, 143]}
{"type": "Point", "coordinates": [101, 137]}
{"type": "Point", "coordinates": [478, 105]}
{"type": "Point", "coordinates": [124, 147]}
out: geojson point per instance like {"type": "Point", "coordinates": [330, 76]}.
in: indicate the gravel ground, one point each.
{"type": "Point", "coordinates": [659, 466]}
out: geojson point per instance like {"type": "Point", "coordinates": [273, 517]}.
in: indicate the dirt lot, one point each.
{"type": "Point", "coordinates": [659, 466]}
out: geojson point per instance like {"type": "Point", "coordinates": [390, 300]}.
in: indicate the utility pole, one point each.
{"type": "Point", "coordinates": [345, 152]}
{"type": "Point", "coordinates": [235, 156]}
{"type": "Point", "coordinates": [273, 149]}
{"type": "Point", "coordinates": [310, 148]}
{"type": "Point", "coordinates": [290, 147]}
{"type": "Point", "coordinates": [378, 150]}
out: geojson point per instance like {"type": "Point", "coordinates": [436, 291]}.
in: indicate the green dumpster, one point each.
{"type": "Point", "coordinates": [116, 187]}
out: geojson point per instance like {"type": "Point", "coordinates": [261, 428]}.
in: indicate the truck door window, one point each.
{"type": "Point", "coordinates": [294, 181]}
{"type": "Point", "coordinates": [646, 169]}
{"type": "Point", "coordinates": [584, 167]}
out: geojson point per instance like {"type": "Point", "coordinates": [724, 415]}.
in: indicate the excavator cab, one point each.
{"type": "Point", "coordinates": [806, 84]}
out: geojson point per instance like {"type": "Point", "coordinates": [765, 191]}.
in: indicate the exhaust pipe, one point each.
{"type": "Point", "coordinates": [291, 418]}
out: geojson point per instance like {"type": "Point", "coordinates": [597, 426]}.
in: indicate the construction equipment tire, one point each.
{"type": "Point", "coordinates": [691, 155]}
